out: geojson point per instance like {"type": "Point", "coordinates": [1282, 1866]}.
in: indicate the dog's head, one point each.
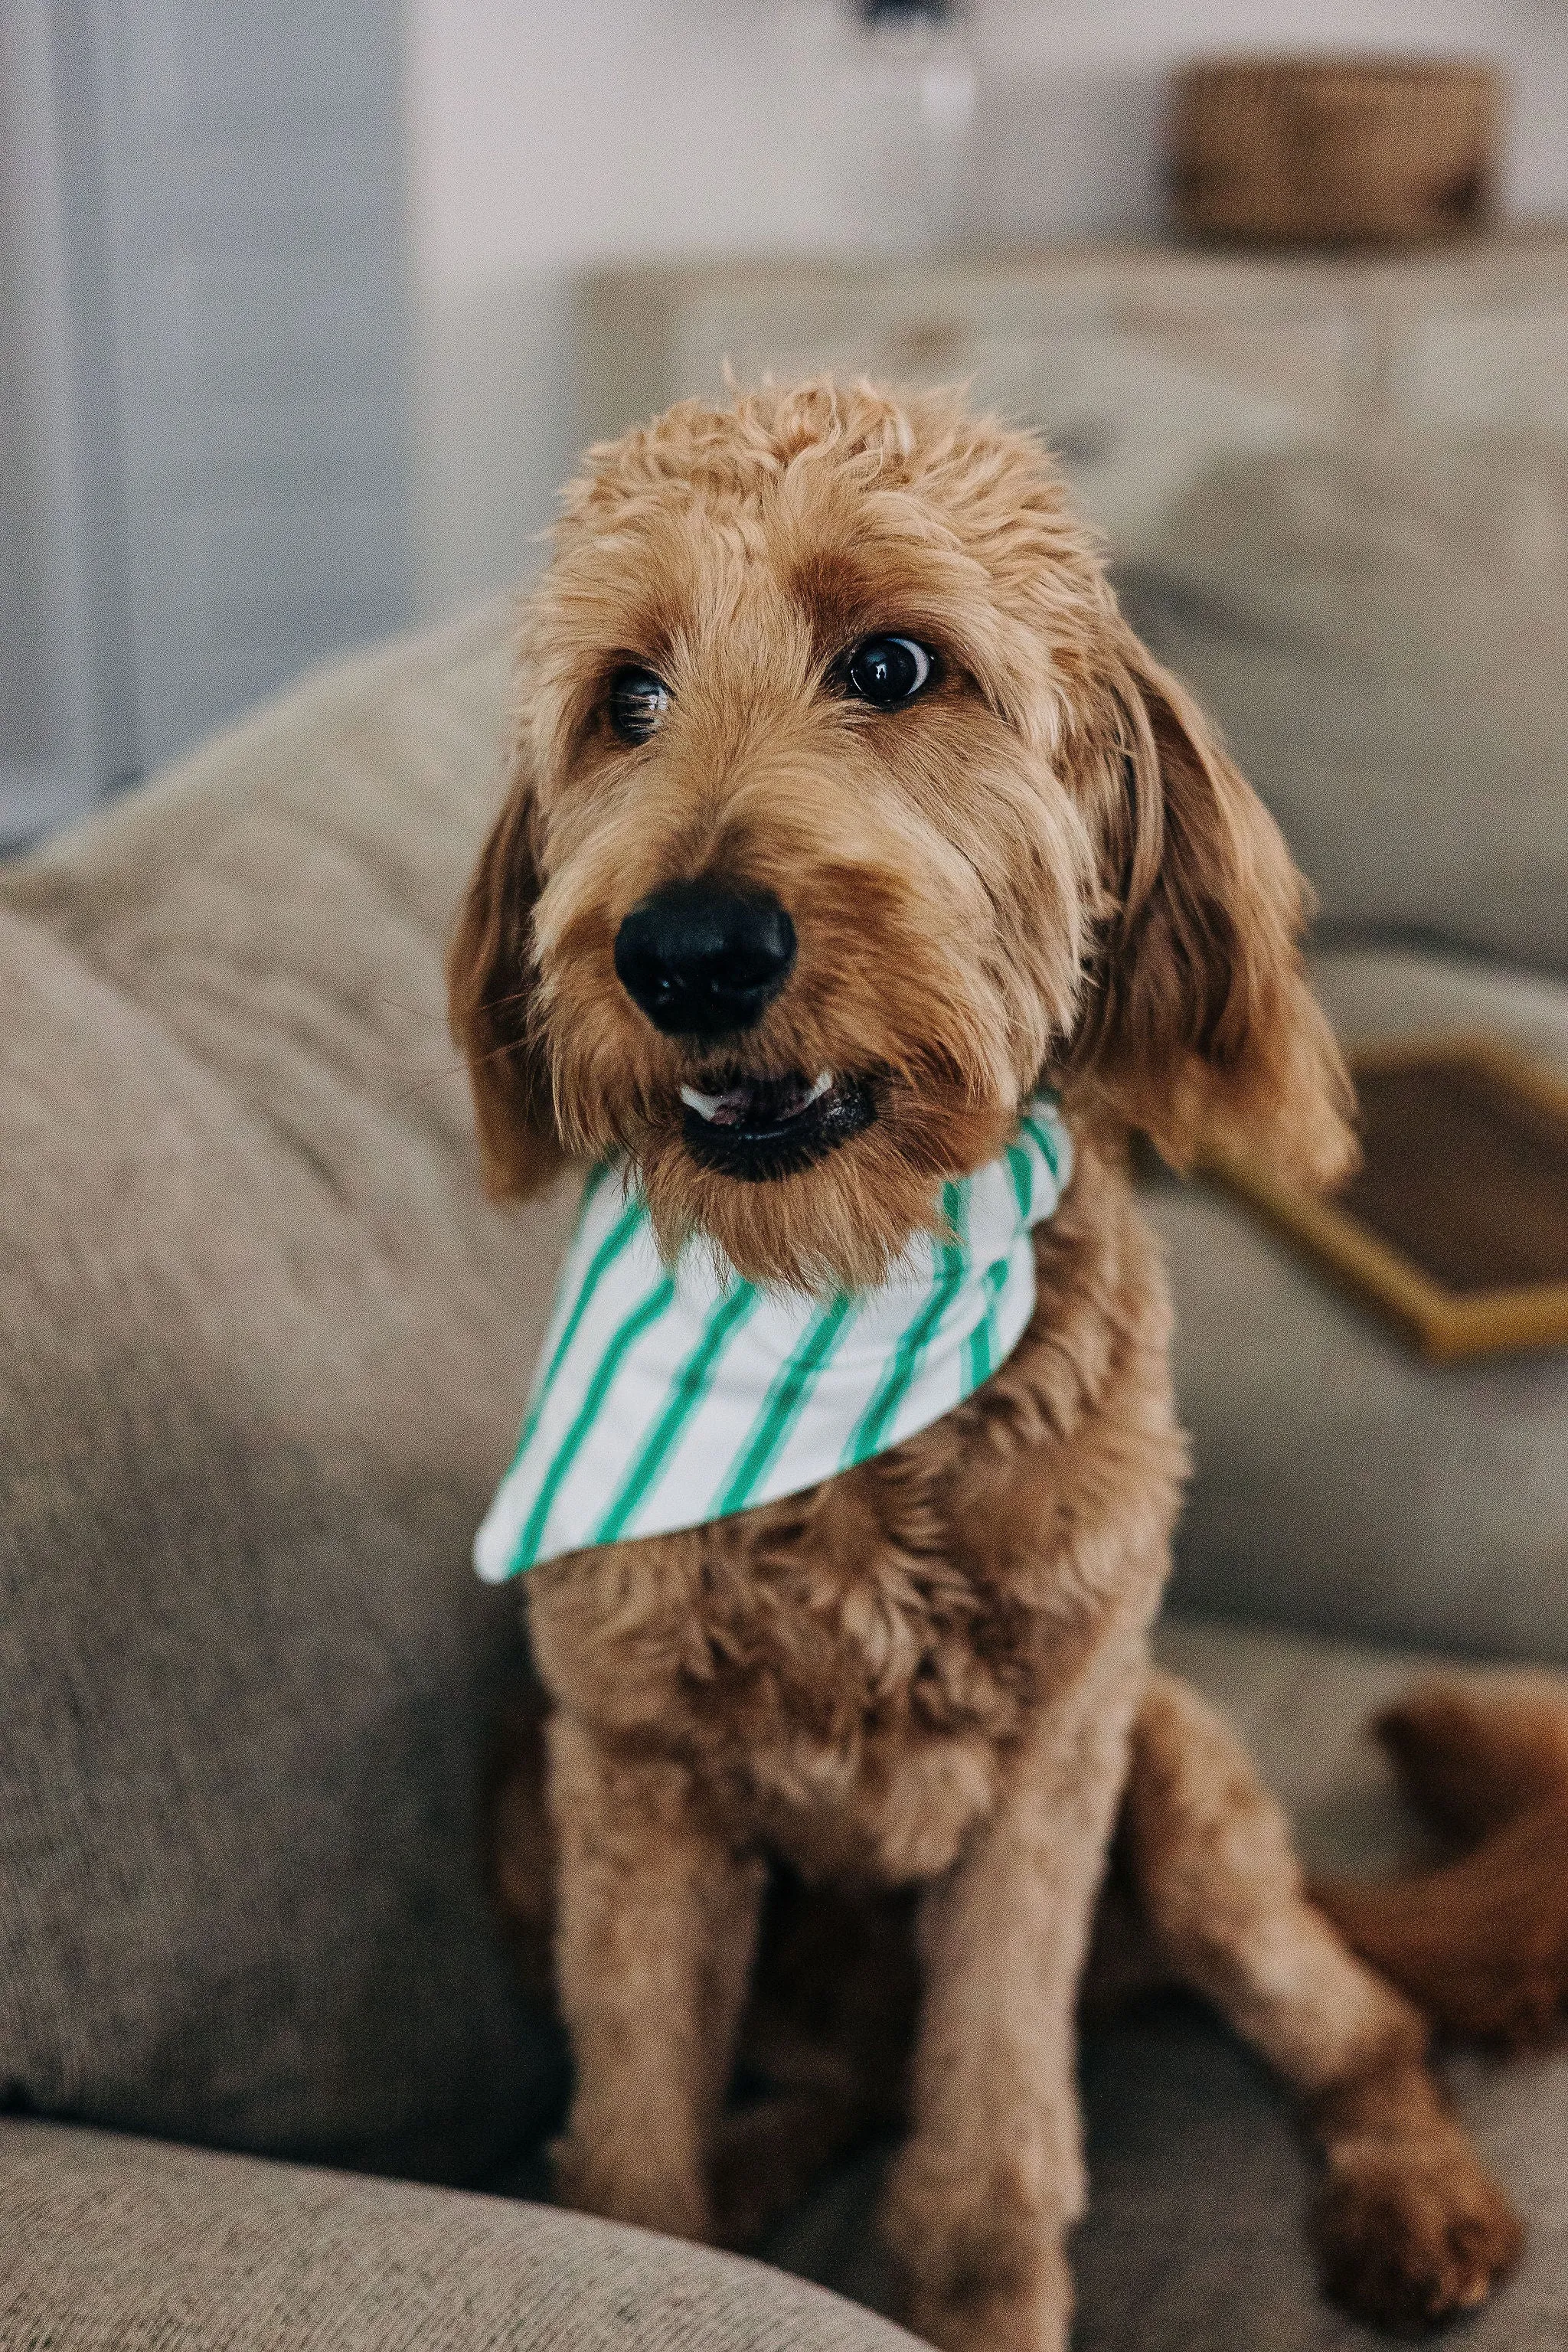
{"type": "Point", "coordinates": [845, 811]}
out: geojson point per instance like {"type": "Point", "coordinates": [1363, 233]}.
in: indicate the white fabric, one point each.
{"type": "Point", "coordinates": [670, 1396]}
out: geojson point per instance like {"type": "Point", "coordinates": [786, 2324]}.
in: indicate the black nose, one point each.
{"type": "Point", "coordinates": [704, 961]}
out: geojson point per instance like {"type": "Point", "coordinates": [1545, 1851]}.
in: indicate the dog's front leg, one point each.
{"type": "Point", "coordinates": [655, 1924]}
{"type": "Point", "coordinates": [992, 2176]}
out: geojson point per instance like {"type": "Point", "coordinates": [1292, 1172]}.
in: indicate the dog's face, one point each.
{"type": "Point", "coordinates": [846, 812]}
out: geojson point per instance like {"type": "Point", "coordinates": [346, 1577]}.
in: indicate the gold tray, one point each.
{"type": "Point", "coordinates": [1455, 1226]}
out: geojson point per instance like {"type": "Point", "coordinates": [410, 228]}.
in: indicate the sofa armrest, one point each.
{"type": "Point", "coordinates": [108, 2240]}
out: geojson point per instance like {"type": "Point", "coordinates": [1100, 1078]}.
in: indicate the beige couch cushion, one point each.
{"type": "Point", "coordinates": [1383, 633]}
{"type": "Point", "coordinates": [262, 1352]}
{"type": "Point", "coordinates": [118, 2245]}
{"type": "Point", "coordinates": [1200, 2186]}
{"type": "Point", "coordinates": [1196, 2236]}
{"type": "Point", "coordinates": [1343, 1482]}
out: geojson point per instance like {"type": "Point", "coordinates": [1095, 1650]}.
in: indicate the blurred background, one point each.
{"type": "Point", "coordinates": [303, 312]}
{"type": "Point", "coordinates": [544, 141]}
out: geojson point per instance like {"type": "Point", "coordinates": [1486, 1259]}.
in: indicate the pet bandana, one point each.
{"type": "Point", "coordinates": [671, 1395]}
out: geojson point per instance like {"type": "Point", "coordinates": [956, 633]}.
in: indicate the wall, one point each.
{"type": "Point", "coordinates": [545, 139]}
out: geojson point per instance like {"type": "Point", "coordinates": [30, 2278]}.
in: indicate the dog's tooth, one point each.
{"type": "Point", "coordinates": [820, 1088]}
{"type": "Point", "coordinates": [706, 1106]}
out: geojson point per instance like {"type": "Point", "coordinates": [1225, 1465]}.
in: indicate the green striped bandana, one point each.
{"type": "Point", "coordinates": [671, 1395]}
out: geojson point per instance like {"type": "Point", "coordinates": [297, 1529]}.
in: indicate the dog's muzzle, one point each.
{"type": "Point", "coordinates": [704, 961]}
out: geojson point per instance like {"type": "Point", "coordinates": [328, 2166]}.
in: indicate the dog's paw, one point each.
{"type": "Point", "coordinates": [985, 2269]}
{"type": "Point", "coordinates": [996, 2319]}
{"type": "Point", "coordinates": [1410, 2243]}
{"type": "Point", "coordinates": [591, 2181]}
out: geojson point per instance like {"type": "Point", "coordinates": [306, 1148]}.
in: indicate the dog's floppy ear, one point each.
{"type": "Point", "coordinates": [490, 983]}
{"type": "Point", "coordinates": [1203, 1023]}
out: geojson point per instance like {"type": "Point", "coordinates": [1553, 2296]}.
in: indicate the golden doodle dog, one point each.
{"type": "Point", "coordinates": [853, 839]}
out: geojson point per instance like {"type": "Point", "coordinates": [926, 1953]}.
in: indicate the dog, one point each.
{"type": "Point", "coordinates": [850, 833]}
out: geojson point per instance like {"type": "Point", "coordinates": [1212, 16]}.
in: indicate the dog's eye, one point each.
{"type": "Point", "coordinates": [637, 703]}
{"type": "Point", "coordinates": [886, 671]}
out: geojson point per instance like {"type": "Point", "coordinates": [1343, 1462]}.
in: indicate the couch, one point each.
{"type": "Point", "coordinates": [266, 2078]}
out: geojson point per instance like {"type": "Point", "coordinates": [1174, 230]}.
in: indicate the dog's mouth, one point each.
{"type": "Point", "coordinates": [759, 1129]}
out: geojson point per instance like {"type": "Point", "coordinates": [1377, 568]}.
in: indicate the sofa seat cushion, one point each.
{"type": "Point", "coordinates": [263, 1347]}
{"type": "Point", "coordinates": [1341, 1481]}
{"type": "Point", "coordinates": [116, 2244]}
{"type": "Point", "coordinates": [1197, 2225]}
{"type": "Point", "coordinates": [1200, 2188]}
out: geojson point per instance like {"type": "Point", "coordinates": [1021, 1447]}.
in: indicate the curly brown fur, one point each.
{"type": "Point", "coordinates": [1204, 1891]}
{"type": "Point", "coordinates": [1480, 1942]}
{"type": "Point", "coordinates": [924, 1674]}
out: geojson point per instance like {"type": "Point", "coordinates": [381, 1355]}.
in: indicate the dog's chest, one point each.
{"type": "Point", "coordinates": [846, 1673]}
{"type": "Point", "coordinates": [840, 1677]}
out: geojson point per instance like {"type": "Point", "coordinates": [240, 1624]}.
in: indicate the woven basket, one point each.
{"type": "Point", "coordinates": [1335, 151]}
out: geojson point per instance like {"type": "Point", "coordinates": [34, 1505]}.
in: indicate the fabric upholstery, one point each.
{"type": "Point", "coordinates": [262, 1354]}
{"type": "Point", "coordinates": [1199, 2186]}
{"type": "Point", "coordinates": [1405, 1501]}
{"type": "Point", "coordinates": [120, 2245]}
{"type": "Point", "coordinates": [1382, 632]}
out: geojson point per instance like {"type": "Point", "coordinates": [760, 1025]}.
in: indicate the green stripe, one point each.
{"type": "Point", "coordinates": [983, 1338]}
{"type": "Point", "coordinates": [690, 1387]}
{"type": "Point", "coordinates": [630, 1332]}
{"type": "Point", "coordinates": [978, 1354]}
{"type": "Point", "coordinates": [603, 1257]}
{"type": "Point", "coordinates": [784, 1404]}
{"type": "Point", "coordinates": [1047, 1143]}
{"type": "Point", "coordinates": [1021, 1169]}
{"type": "Point", "coordinates": [866, 1436]}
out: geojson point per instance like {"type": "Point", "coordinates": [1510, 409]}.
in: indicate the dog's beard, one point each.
{"type": "Point", "coordinates": [808, 1186]}
{"type": "Point", "coordinates": [836, 1219]}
